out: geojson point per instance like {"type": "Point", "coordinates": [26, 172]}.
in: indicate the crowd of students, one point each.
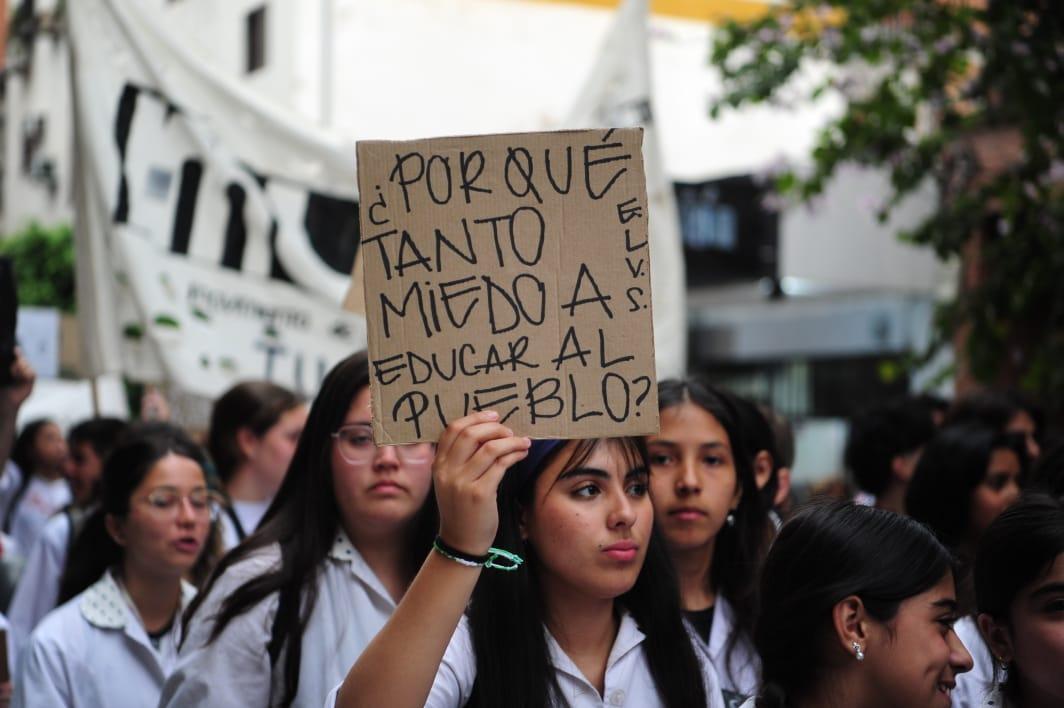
{"type": "Point", "coordinates": [292, 562]}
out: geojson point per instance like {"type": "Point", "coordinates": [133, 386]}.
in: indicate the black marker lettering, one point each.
{"type": "Point", "coordinates": [381, 369]}
{"type": "Point", "coordinates": [537, 233]}
{"type": "Point", "coordinates": [406, 245]}
{"type": "Point", "coordinates": [599, 297]}
{"type": "Point", "coordinates": [524, 172]}
{"type": "Point", "coordinates": [404, 179]}
{"type": "Point", "coordinates": [574, 406]}
{"type": "Point", "coordinates": [564, 354]}
{"type": "Point", "coordinates": [590, 163]}
{"type": "Point", "coordinates": [469, 255]}
{"type": "Point", "coordinates": [568, 170]}
{"type": "Point", "coordinates": [628, 245]}
{"type": "Point", "coordinates": [417, 403]}
{"type": "Point", "coordinates": [534, 403]}
{"type": "Point", "coordinates": [465, 163]}
{"type": "Point", "coordinates": [379, 240]}
{"type": "Point", "coordinates": [606, 397]}
{"type": "Point", "coordinates": [439, 160]}
{"type": "Point", "coordinates": [379, 204]}
{"type": "Point", "coordinates": [603, 363]}
{"type": "Point", "coordinates": [626, 212]}
{"type": "Point", "coordinates": [413, 291]}
{"type": "Point", "coordinates": [447, 296]}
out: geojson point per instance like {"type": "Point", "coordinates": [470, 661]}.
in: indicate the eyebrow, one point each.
{"type": "Point", "coordinates": [601, 474]}
{"type": "Point", "coordinates": [669, 443]}
{"type": "Point", "coordinates": [946, 603]}
{"type": "Point", "coordinates": [1048, 589]}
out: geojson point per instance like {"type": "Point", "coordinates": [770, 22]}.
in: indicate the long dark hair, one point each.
{"type": "Point", "coordinates": [506, 614]}
{"type": "Point", "coordinates": [826, 553]}
{"type": "Point", "coordinates": [93, 550]}
{"type": "Point", "coordinates": [738, 550]}
{"type": "Point", "coordinates": [1016, 549]}
{"type": "Point", "coordinates": [952, 465]}
{"type": "Point", "coordinates": [256, 405]}
{"type": "Point", "coordinates": [304, 519]}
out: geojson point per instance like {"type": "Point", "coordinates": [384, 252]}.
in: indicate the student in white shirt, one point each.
{"type": "Point", "coordinates": [287, 612]}
{"type": "Point", "coordinates": [253, 433]}
{"type": "Point", "coordinates": [114, 643]}
{"type": "Point", "coordinates": [856, 609]}
{"type": "Point", "coordinates": [590, 618]}
{"type": "Point", "coordinates": [713, 519]}
{"type": "Point", "coordinates": [42, 456]}
{"type": "Point", "coordinates": [38, 588]}
{"type": "Point", "coordinates": [1019, 588]}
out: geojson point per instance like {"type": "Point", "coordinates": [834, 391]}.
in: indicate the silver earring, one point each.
{"type": "Point", "coordinates": [730, 518]}
{"type": "Point", "coordinates": [858, 651]}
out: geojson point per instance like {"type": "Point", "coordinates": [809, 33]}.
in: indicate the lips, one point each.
{"type": "Point", "coordinates": [187, 544]}
{"type": "Point", "coordinates": [622, 551]}
{"type": "Point", "coordinates": [386, 488]}
{"type": "Point", "coordinates": [687, 513]}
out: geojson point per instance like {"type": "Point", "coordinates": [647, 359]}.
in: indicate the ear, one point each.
{"type": "Point", "coordinates": [852, 624]}
{"type": "Point", "coordinates": [247, 442]}
{"type": "Point", "coordinates": [763, 464]}
{"type": "Point", "coordinates": [783, 491]}
{"type": "Point", "coordinates": [903, 466]}
{"type": "Point", "coordinates": [114, 529]}
{"type": "Point", "coordinates": [522, 524]}
{"type": "Point", "coordinates": [998, 637]}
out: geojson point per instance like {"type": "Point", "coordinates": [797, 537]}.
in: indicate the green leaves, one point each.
{"type": "Point", "coordinates": [964, 96]}
{"type": "Point", "coordinates": [44, 265]}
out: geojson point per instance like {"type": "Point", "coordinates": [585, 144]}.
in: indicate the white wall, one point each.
{"type": "Point", "coordinates": [836, 242]}
{"type": "Point", "coordinates": [45, 92]}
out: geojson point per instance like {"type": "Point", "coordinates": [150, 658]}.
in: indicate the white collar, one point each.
{"type": "Point", "coordinates": [344, 552]}
{"type": "Point", "coordinates": [104, 603]}
{"type": "Point", "coordinates": [629, 636]}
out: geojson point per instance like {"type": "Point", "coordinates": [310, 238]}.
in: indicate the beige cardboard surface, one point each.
{"type": "Point", "coordinates": [508, 272]}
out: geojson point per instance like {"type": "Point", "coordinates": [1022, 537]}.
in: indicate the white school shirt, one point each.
{"type": "Point", "coordinates": [41, 499]}
{"type": "Point", "coordinates": [248, 513]}
{"type": "Point", "coordinates": [628, 680]}
{"type": "Point", "coordinates": [235, 670]}
{"type": "Point", "coordinates": [38, 586]}
{"type": "Point", "coordinates": [973, 686]}
{"type": "Point", "coordinates": [93, 652]}
{"type": "Point", "coordinates": [740, 676]}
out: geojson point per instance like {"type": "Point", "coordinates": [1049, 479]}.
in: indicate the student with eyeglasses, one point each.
{"type": "Point", "coordinates": [288, 611]}
{"type": "Point", "coordinates": [114, 640]}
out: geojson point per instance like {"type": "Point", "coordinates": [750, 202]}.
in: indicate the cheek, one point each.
{"type": "Point", "coordinates": [1039, 649]}
{"type": "Point", "coordinates": [661, 487]}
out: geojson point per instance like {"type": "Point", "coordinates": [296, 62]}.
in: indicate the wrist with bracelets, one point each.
{"type": "Point", "coordinates": [491, 560]}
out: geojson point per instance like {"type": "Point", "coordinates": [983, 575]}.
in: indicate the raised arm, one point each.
{"type": "Point", "coordinates": [399, 665]}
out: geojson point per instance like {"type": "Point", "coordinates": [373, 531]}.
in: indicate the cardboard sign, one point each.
{"type": "Point", "coordinates": [511, 273]}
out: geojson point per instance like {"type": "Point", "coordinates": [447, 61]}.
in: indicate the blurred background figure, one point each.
{"type": "Point", "coordinates": [883, 448]}
{"type": "Point", "coordinates": [37, 590]}
{"type": "Point", "coordinates": [254, 430]}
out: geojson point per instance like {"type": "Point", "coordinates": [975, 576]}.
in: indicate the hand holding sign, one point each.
{"type": "Point", "coordinates": [509, 272]}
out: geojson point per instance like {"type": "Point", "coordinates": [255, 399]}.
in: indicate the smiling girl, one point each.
{"type": "Point", "coordinates": [857, 609]}
{"type": "Point", "coordinates": [115, 642]}
{"type": "Point", "coordinates": [591, 616]}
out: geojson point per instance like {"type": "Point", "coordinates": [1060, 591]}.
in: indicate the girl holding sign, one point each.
{"type": "Point", "coordinates": [713, 520]}
{"type": "Point", "coordinates": [590, 615]}
{"type": "Point", "coordinates": [288, 610]}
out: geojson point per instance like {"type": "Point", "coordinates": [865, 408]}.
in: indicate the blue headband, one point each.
{"type": "Point", "coordinates": [537, 453]}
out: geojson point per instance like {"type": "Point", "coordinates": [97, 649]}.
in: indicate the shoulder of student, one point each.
{"type": "Point", "coordinates": [63, 630]}
{"type": "Point", "coordinates": [257, 563]}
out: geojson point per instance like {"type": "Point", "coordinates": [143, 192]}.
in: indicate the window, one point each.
{"type": "Point", "coordinates": [255, 39]}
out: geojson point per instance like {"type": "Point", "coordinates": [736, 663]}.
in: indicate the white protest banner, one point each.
{"type": "Point", "coordinates": [212, 243]}
{"type": "Point", "coordinates": [509, 272]}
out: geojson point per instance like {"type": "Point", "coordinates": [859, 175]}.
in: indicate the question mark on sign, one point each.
{"type": "Point", "coordinates": [646, 390]}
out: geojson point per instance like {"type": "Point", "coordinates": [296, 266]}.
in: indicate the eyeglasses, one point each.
{"type": "Point", "coordinates": [167, 501]}
{"type": "Point", "coordinates": [357, 447]}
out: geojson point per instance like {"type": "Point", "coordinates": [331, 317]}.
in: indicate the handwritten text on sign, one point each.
{"type": "Point", "coordinates": [511, 273]}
